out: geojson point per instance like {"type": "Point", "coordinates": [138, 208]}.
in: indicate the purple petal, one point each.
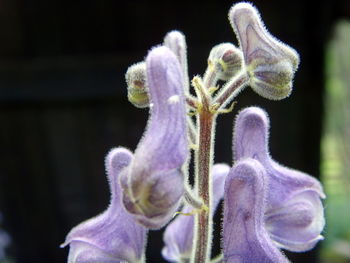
{"type": "Point", "coordinates": [286, 186]}
{"type": "Point", "coordinates": [113, 236]}
{"type": "Point", "coordinates": [297, 225]}
{"type": "Point", "coordinates": [176, 42]}
{"type": "Point", "coordinates": [153, 183]}
{"type": "Point", "coordinates": [245, 238]}
{"type": "Point", "coordinates": [270, 63]}
{"type": "Point", "coordinates": [178, 236]}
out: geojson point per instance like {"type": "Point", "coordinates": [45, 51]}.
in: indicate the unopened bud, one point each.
{"type": "Point", "coordinates": [137, 88]}
{"type": "Point", "coordinates": [226, 60]}
{"type": "Point", "coordinates": [270, 63]}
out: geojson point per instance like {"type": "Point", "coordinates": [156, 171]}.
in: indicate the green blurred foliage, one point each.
{"type": "Point", "coordinates": [335, 166]}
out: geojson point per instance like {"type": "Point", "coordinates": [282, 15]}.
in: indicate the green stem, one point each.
{"type": "Point", "coordinates": [232, 88]}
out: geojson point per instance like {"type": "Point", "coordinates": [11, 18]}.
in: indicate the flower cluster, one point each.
{"type": "Point", "coordinates": [267, 207]}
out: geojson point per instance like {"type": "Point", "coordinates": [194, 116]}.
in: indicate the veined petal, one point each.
{"type": "Point", "coordinates": [290, 191]}
{"type": "Point", "coordinates": [245, 238]}
{"type": "Point", "coordinates": [153, 183]}
{"type": "Point", "coordinates": [270, 63]}
{"type": "Point", "coordinates": [178, 236]}
{"type": "Point", "coordinates": [112, 236]}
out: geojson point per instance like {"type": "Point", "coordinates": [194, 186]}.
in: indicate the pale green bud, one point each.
{"type": "Point", "coordinates": [137, 88]}
{"type": "Point", "coordinates": [226, 60]}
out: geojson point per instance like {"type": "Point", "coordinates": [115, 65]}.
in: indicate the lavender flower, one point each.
{"type": "Point", "coordinates": [153, 183]}
{"type": "Point", "coordinates": [113, 236]}
{"type": "Point", "coordinates": [270, 63]}
{"type": "Point", "coordinates": [178, 236]}
{"type": "Point", "coordinates": [266, 206]}
{"type": "Point", "coordinates": [294, 213]}
{"type": "Point", "coordinates": [245, 238]}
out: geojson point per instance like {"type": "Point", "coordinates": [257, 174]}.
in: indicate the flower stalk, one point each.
{"type": "Point", "coordinates": [204, 160]}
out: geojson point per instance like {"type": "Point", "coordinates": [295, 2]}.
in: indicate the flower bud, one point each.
{"type": "Point", "coordinates": [270, 63]}
{"type": "Point", "coordinates": [137, 88]}
{"type": "Point", "coordinates": [226, 60]}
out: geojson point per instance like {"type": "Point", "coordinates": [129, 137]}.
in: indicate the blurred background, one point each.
{"type": "Point", "coordinates": [63, 106]}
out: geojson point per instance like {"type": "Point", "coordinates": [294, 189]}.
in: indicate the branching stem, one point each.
{"type": "Point", "coordinates": [206, 115]}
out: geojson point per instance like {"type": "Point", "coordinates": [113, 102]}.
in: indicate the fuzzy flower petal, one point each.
{"type": "Point", "coordinates": [112, 236]}
{"type": "Point", "coordinates": [176, 42]}
{"type": "Point", "coordinates": [296, 225]}
{"type": "Point", "coordinates": [153, 183]}
{"type": "Point", "coordinates": [178, 236]}
{"type": "Point", "coordinates": [245, 238]}
{"type": "Point", "coordinates": [290, 192]}
{"type": "Point", "coordinates": [270, 63]}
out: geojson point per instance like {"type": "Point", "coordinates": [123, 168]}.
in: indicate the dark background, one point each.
{"type": "Point", "coordinates": [63, 102]}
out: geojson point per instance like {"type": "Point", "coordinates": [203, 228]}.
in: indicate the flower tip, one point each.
{"type": "Point", "coordinates": [240, 11]}
{"type": "Point", "coordinates": [254, 117]}
{"type": "Point", "coordinates": [247, 170]}
{"type": "Point", "coordinates": [173, 35]}
{"type": "Point", "coordinates": [242, 7]}
{"type": "Point", "coordinates": [251, 133]}
{"type": "Point", "coordinates": [118, 157]}
{"type": "Point", "coordinates": [159, 53]}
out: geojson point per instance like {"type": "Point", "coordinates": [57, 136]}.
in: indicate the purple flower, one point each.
{"type": "Point", "coordinates": [178, 236]}
{"type": "Point", "coordinates": [245, 238]}
{"type": "Point", "coordinates": [113, 236]}
{"type": "Point", "coordinates": [270, 63]}
{"type": "Point", "coordinates": [294, 214]}
{"type": "Point", "coordinates": [153, 183]}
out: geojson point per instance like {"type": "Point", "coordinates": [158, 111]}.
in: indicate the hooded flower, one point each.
{"type": "Point", "coordinates": [270, 63]}
{"type": "Point", "coordinates": [153, 183]}
{"type": "Point", "coordinates": [178, 236]}
{"type": "Point", "coordinates": [245, 238]}
{"type": "Point", "coordinates": [113, 236]}
{"type": "Point", "coordinates": [294, 214]}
